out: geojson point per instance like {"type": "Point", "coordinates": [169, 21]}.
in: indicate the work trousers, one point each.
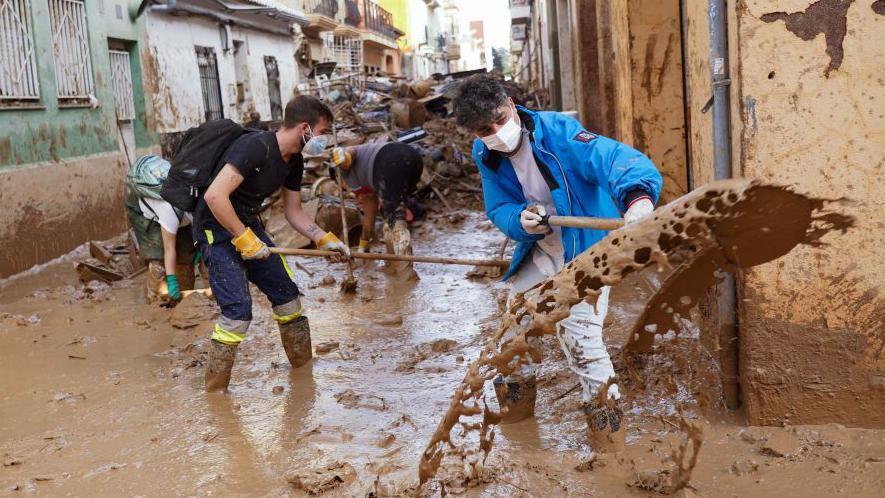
{"type": "Point", "coordinates": [229, 277]}
{"type": "Point", "coordinates": [579, 334]}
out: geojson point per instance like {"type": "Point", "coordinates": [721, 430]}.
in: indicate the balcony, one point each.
{"type": "Point", "coordinates": [352, 20]}
{"type": "Point", "coordinates": [378, 26]}
{"type": "Point", "coordinates": [320, 16]}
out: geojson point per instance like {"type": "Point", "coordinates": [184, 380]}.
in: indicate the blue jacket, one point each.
{"type": "Point", "coordinates": [588, 175]}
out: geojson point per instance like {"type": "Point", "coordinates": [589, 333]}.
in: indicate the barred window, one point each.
{"type": "Point", "coordinates": [70, 44]}
{"type": "Point", "coordinates": [18, 67]}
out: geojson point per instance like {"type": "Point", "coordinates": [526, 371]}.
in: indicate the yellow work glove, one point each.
{"type": "Point", "coordinates": [330, 242]}
{"type": "Point", "coordinates": [250, 246]}
{"type": "Point", "coordinates": [364, 246]}
{"type": "Point", "coordinates": [341, 158]}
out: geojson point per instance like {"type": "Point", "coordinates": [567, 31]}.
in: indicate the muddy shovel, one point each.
{"type": "Point", "coordinates": [348, 285]}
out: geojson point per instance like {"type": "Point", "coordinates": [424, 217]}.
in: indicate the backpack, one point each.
{"type": "Point", "coordinates": [145, 178]}
{"type": "Point", "coordinates": [196, 162]}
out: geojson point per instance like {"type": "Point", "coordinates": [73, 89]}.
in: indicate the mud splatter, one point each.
{"type": "Point", "coordinates": [723, 226]}
{"type": "Point", "coordinates": [879, 7]}
{"type": "Point", "coordinates": [824, 16]}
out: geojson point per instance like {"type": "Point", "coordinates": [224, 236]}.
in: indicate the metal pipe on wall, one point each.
{"type": "Point", "coordinates": [726, 315]}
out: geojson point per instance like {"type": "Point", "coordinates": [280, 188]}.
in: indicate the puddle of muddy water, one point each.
{"type": "Point", "coordinates": [102, 396]}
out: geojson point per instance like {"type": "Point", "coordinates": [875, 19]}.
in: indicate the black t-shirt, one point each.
{"type": "Point", "coordinates": [257, 157]}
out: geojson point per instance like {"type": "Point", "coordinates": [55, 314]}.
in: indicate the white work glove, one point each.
{"type": "Point", "coordinates": [640, 208]}
{"type": "Point", "coordinates": [531, 217]}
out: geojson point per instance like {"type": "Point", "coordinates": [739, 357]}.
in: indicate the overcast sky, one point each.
{"type": "Point", "coordinates": [495, 15]}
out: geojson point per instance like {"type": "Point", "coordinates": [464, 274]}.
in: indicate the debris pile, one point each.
{"type": "Point", "coordinates": [417, 113]}
{"type": "Point", "coordinates": [106, 264]}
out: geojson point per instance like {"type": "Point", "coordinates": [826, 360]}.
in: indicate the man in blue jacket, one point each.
{"type": "Point", "coordinates": [535, 163]}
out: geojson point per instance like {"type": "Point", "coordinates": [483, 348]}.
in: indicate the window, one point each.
{"type": "Point", "coordinates": [70, 46]}
{"type": "Point", "coordinates": [209, 83]}
{"type": "Point", "coordinates": [121, 80]}
{"type": "Point", "coordinates": [18, 68]}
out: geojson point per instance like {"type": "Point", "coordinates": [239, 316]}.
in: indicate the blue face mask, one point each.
{"type": "Point", "coordinates": [315, 145]}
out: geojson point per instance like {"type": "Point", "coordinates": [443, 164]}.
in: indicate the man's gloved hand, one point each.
{"type": "Point", "coordinates": [341, 158]}
{"type": "Point", "coordinates": [364, 246]}
{"type": "Point", "coordinates": [250, 246]}
{"type": "Point", "coordinates": [330, 242]}
{"type": "Point", "coordinates": [638, 209]}
{"type": "Point", "coordinates": [174, 289]}
{"type": "Point", "coordinates": [531, 217]}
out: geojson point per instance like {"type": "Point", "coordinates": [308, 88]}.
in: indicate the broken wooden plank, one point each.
{"type": "Point", "coordinates": [89, 272]}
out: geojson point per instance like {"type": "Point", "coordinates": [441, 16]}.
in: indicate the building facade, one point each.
{"type": "Point", "coordinates": [802, 105]}
{"type": "Point", "coordinates": [72, 116]}
{"type": "Point", "coordinates": [360, 36]}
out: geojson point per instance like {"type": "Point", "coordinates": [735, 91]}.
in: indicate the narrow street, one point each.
{"type": "Point", "coordinates": [115, 403]}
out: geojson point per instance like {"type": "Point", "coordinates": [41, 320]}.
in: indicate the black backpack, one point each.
{"type": "Point", "coordinates": [196, 162]}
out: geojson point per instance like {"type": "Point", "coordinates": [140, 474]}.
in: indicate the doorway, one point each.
{"type": "Point", "coordinates": [273, 87]}
{"type": "Point", "coordinates": [124, 101]}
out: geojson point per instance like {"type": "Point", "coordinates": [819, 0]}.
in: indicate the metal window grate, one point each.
{"type": "Point", "coordinates": [121, 80]}
{"type": "Point", "coordinates": [346, 51]}
{"type": "Point", "coordinates": [209, 83]}
{"type": "Point", "coordinates": [18, 68]}
{"type": "Point", "coordinates": [70, 46]}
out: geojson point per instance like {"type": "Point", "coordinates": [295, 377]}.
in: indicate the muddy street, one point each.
{"type": "Point", "coordinates": [102, 395]}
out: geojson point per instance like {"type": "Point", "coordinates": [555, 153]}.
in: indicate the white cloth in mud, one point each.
{"type": "Point", "coordinates": [579, 334]}
{"type": "Point", "coordinates": [550, 258]}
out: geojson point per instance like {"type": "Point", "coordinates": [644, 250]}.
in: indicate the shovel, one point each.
{"type": "Point", "coordinates": [583, 222]}
{"type": "Point", "coordinates": [348, 285]}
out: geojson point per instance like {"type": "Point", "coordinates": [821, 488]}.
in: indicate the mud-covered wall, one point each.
{"type": "Point", "coordinates": [658, 90]}
{"type": "Point", "coordinates": [61, 164]}
{"type": "Point", "coordinates": [812, 106]}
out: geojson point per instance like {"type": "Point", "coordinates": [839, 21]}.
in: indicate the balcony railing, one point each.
{"type": "Point", "coordinates": [352, 13]}
{"type": "Point", "coordinates": [378, 19]}
{"type": "Point", "coordinates": [328, 8]}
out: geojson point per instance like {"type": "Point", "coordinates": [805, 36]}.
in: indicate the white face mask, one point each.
{"type": "Point", "coordinates": [316, 145]}
{"type": "Point", "coordinates": [506, 139]}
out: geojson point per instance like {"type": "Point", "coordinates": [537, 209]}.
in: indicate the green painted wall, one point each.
{"type": "Point", "coordinates": [50, 132]}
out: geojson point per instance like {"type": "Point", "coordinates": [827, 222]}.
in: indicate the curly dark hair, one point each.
{"type": "Point", "coordinates": [476, 100]}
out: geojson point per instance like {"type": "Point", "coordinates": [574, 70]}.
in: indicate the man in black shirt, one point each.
{"type": "Point", "coordinates": [235, 245]}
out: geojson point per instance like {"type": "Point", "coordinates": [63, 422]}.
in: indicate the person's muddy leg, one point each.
{"type": "Point", "coordinates": [580, 335]}
{"type": "Point", "coordinates": [227, 278]}
{"type": "Point", "coordinates": [276, 279]}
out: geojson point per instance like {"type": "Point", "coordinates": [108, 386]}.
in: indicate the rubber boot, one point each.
{"type": "Point", "coordinates": [295, 336]}
{"type": "Point", "coordinates": [605, 430]}
{"type": "Point", "coordinates": [219, 366]}
{"type": "Point", "coordinates": [516, 396]}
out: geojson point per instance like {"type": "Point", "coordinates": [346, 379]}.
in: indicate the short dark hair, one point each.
{"type": "Point", "coordinates": [306, 108]}
{"type": "Point", "coordinates": [476, 100]}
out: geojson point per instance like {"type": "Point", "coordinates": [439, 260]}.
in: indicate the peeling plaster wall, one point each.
{"type": "Point", "coordinates": [260, 45]}
{"type": "Point", "coordinates": [812, 106]}
{"type": "Point", "coordinates": [172, 78]}
{"type": "Point", "coordinates": [658, 90]}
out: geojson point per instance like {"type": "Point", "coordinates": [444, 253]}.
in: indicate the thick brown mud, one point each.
{"type": "Point", "coordinates": [100, 395]}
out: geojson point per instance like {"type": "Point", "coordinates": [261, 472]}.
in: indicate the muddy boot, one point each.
{"type": "Point", "coordinates": [517, 395]}
{"type": "Point", "coordinates": [604, 419]}
{"type": "Point", "coordinates": [155, 281]}
{"type": "Point", "coordinates": [296, 341]}
{"type": "Point", "coordinates": [219, 365]}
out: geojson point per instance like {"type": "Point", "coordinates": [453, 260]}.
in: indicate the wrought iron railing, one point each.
{"type": "Point", "coordinates": [328, 8]}
{"type": "Point", "coordinates": [378, 19]}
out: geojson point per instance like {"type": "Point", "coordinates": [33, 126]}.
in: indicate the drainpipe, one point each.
{"type": "Point", "coordinates": [727, 298]}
